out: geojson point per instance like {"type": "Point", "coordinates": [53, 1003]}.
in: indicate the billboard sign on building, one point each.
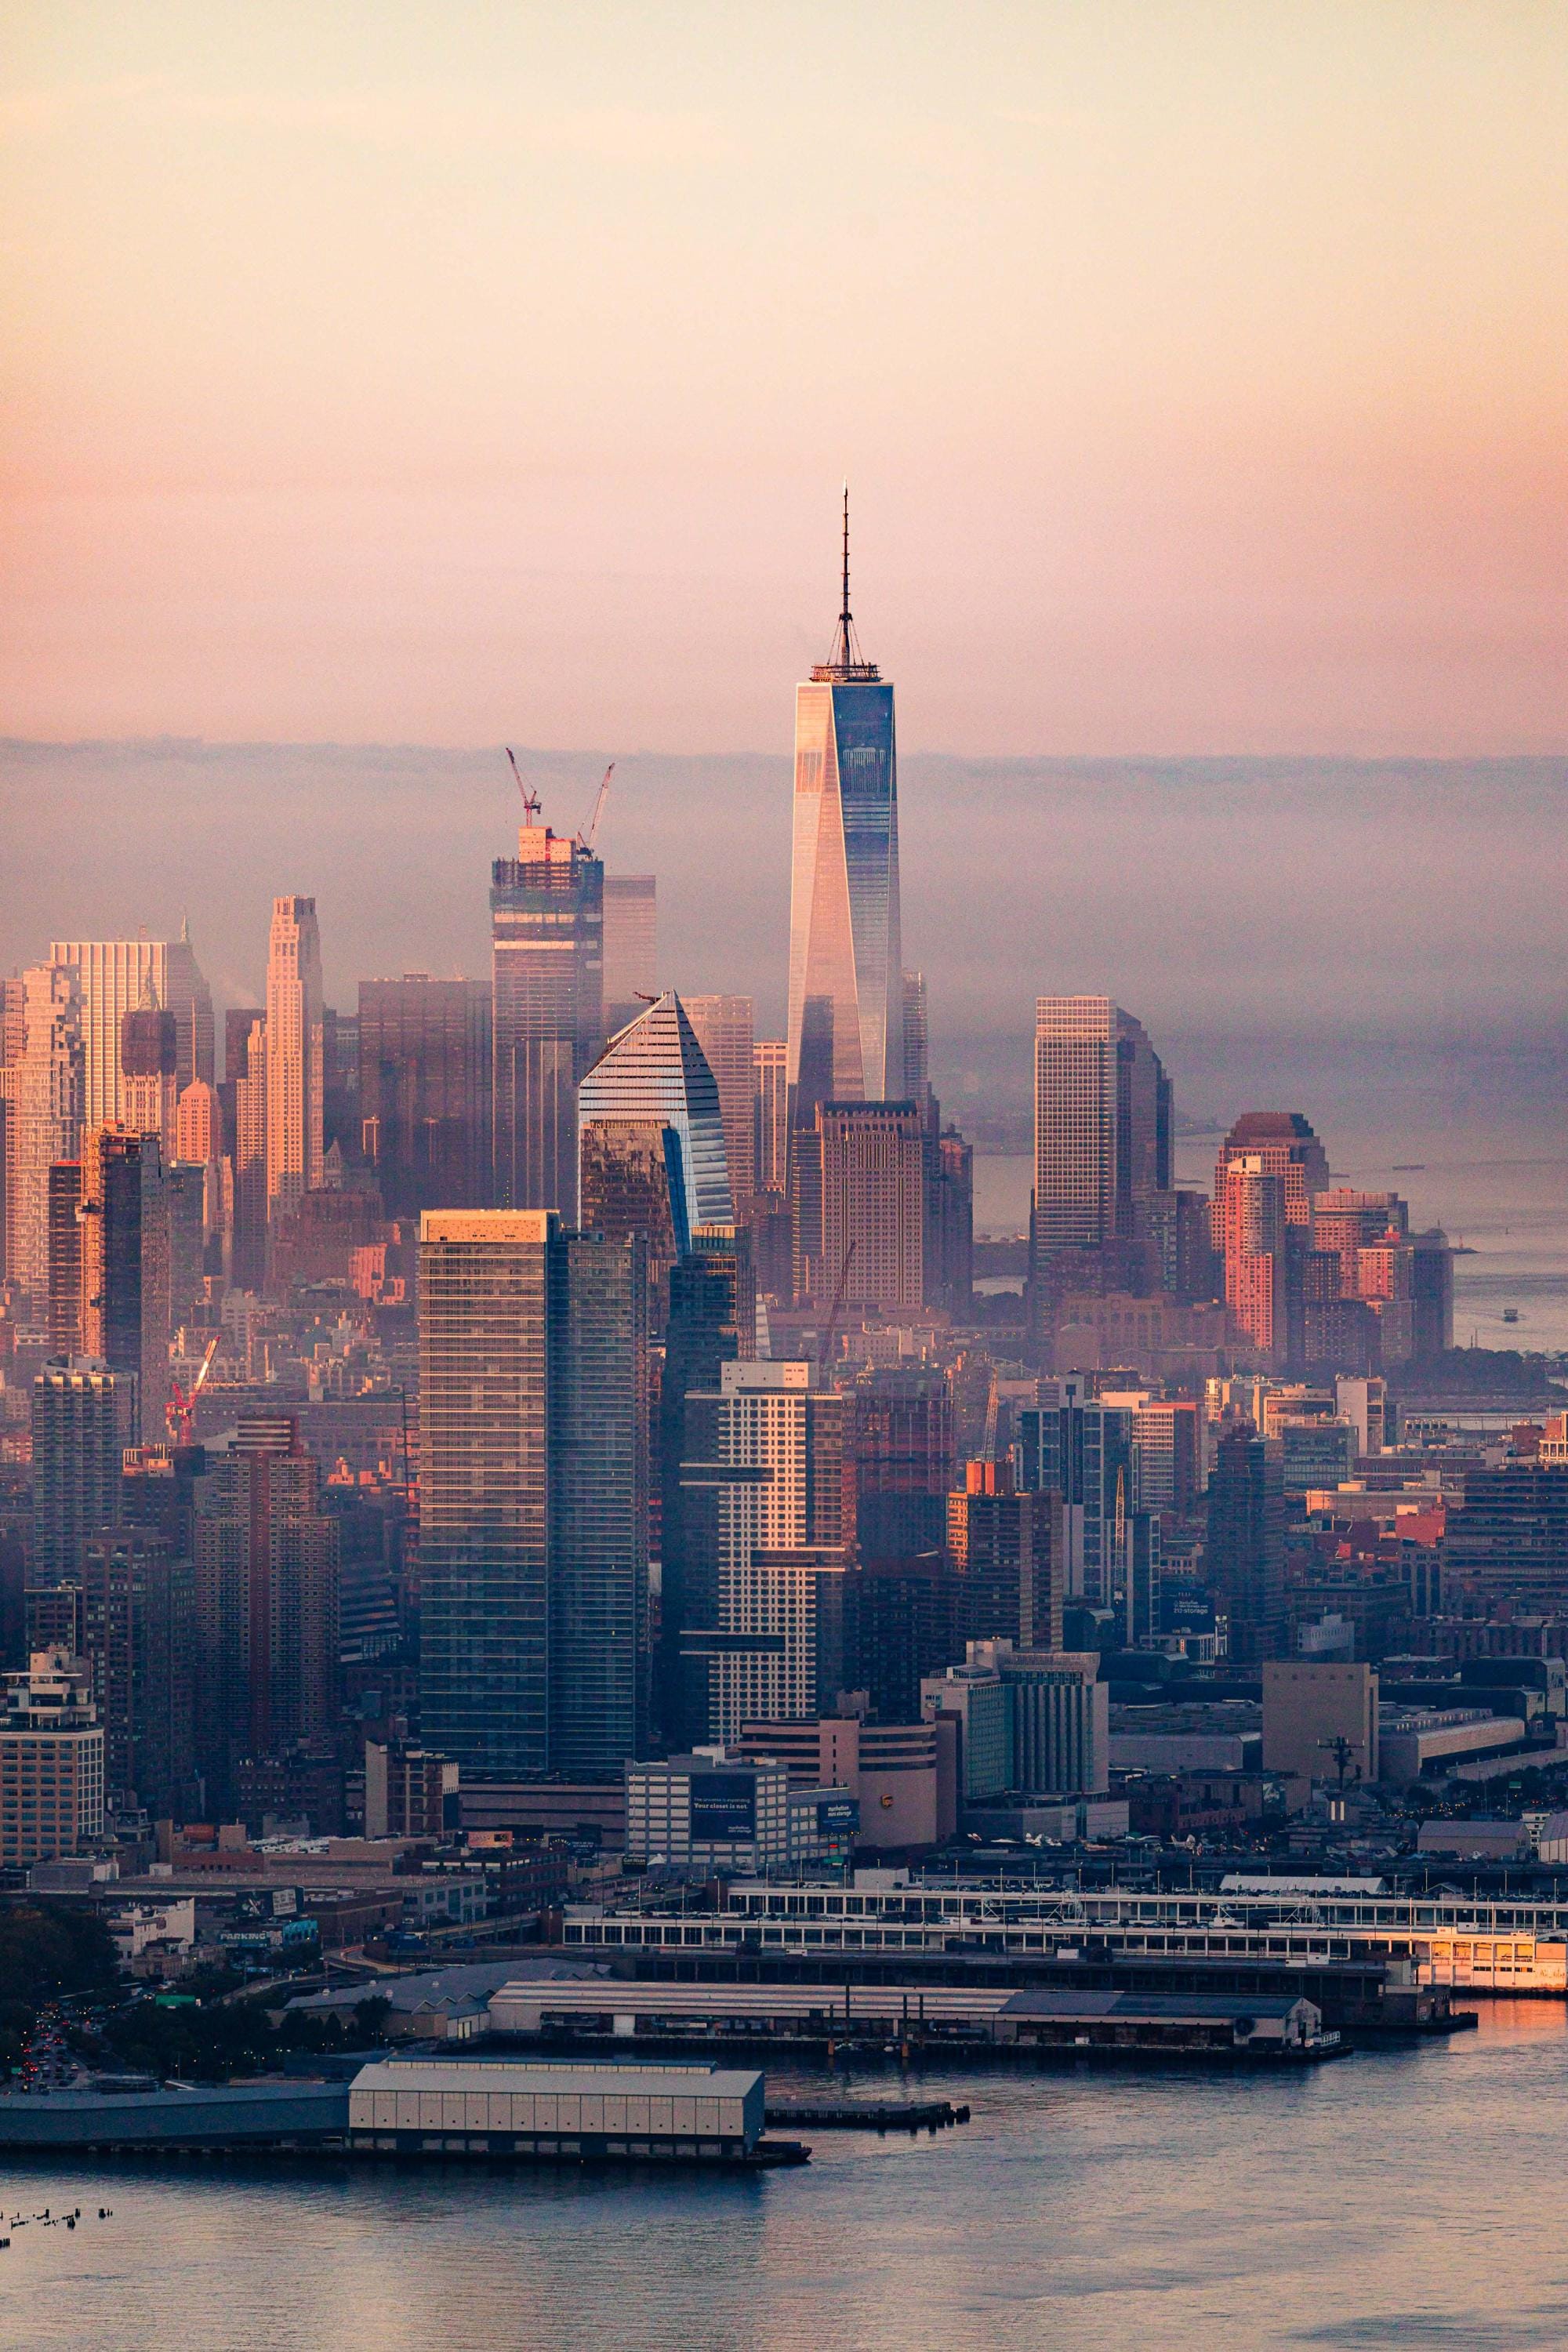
{"type": "Point", "coordinates": [723, 1809]}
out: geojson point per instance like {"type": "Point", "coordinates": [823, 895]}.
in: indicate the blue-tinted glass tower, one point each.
{"type": "Point", "coordinates": [845, 975]}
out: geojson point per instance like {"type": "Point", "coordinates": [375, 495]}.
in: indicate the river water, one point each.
{"type": "Point", "coordinates": [1412, 2198]}
{"type": "Point", "coordinates": [1508, 1205]}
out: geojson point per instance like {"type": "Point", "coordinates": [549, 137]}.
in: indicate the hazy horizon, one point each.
{"type": "Point", "coordinates": [1418, 987]}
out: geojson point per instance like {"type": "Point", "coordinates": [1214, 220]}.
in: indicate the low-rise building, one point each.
{"type": "Point", "coordinates": [714, 1811]}
{"type": "Point", "coordinates": [1414, 1739]}
{"type": "Point", "coordinates": [1315, 1714]}
{"type": "Point", "coordinates": [902, 1775]}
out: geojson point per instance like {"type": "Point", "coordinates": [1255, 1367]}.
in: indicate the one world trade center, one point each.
{"type": "Point", "coordinates": [846, 985]}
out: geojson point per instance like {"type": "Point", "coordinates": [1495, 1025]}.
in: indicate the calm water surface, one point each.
{"type": "Point", "coordinates": [1414, 2199]}
{"type": "Point", "coordinates": [1510, 1207]}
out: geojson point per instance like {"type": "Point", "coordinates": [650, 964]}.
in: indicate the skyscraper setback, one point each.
{"type": "Point", "coordinates": [845, 976]}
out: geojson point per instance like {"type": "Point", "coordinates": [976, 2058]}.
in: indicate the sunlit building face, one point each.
{"type": "Point", "coordinates": [846, 977]}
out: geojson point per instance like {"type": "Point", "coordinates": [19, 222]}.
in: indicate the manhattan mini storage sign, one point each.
{"type": "Point", "coordinates": [723, 1809]}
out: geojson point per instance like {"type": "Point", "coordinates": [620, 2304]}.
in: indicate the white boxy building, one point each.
{"type": "Point", "coordinates": [492, 2108]}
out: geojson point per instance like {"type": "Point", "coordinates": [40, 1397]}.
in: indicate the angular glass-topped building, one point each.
{"type": "Point", "coordinates": [845, 975]}
{"type": "Point", "coordinates": [651, 1158]}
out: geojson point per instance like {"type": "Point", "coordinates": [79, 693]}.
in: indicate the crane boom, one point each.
{"type": "Point", "coordinates": [592, 834]}
{"type": "Point", "coordinates": [532, 804]}
{"type": "Point", "coordinates": [825, 1345]}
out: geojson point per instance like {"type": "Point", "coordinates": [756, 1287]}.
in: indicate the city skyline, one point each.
{"type": "Point", "coordinates": [767, 1444]}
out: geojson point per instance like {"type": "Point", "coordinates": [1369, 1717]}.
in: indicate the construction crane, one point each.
{"type": "Point", "coordinates": [825, 1348]}
{"type": "Point", "coordinates": [587, 840]}
{"type": "Point", "coordinates": [179, 1413]}
{"type": "Point", "coordinates": [532, 804]}
{"type": "Point", "coordinates": [992, 1407]}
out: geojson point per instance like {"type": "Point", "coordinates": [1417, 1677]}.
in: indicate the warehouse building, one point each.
{"type": "Point", "coordinates": [407, 2108]}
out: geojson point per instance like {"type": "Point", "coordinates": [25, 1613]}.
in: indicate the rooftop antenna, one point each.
{"type": "Point", "coordinates": [531, 802]}
{"type": "Point", "coordinates": [846, 657]}
{"type": "Point", "coordinates": [845, 649]}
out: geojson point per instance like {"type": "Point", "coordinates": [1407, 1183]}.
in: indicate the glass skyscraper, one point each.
{"type": "Point", "coordinates": [651, 1137]}
{"type": "Point", "coordinates": [534, 1495]}
{"type": "Point", "coordinates": [547, 921]}
{"type": "Point", "coordinates": [845, 976]}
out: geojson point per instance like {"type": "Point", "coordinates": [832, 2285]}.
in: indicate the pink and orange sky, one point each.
{"type": "Point", "coordinates": [442, 374]}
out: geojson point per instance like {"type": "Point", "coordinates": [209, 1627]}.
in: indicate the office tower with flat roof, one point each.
{"type": "Point", "coordinates": [249, 1081]}
{"type": "Point", "coordinates": [770, 1160]}
{"type": "Point", "coordinates": [1059, 1715]}
{"type": "Point", "coordinates": [1102, 1150]}
{"type": "Point", "coordinates": [65, 1316]}
{"type": "Point", "coordinates": [112, 978]}
{"type": "Point", "coordinates": [1076, 1445]}
{"type": "Point", "coordinates": [723, 1029]}
{"type": "Point", "coordinates": [125, 1263]}
{"type": "Point", "coordinates": [861, 1205]}
{"type": "Point", "coordinates": [1245, 1562]}
{"type": "Point", "coordinates": [547, 917]}
{"type": "Point", "coordinates": [777, 1465]}
{"type": "Point", "coordinates": [712, 1322]}
{"type": "Point", "coordinates": [81, 1425]}
{"type": "Point", "coordinates": [425, 1091]}
{"type": "Point", "coordinates": [631, 946]}
{"type": "Point", "coordinates": [295, 1063]}
{"type": "Point", "coordinates": [43, 1120]}
{"type": "Point", "coordinates": [950, 1226]}
{"type": "Point", "coordinates": [51, 1761]}
{"type": "Point", "coordinates": [902, 1622]}
{"type": "Point", "coordinates": [533, 1493]}
{"type": "Point", "coordinates": [266, 1602]}
{"type": "Point", "coordinates": [138, 1613]}
{"type": "Point", "coordinates": [341, 1122]}
{"type": "Point", "coordinates": [1004, 1559]}
{"type": "Point", "coordinates": [13, 1047]}
{"type": "Point", "coordinates": [845, 972]}
{"type": "Point", "coordinates": [651, 1140]}
{"type": "Point", "coordinates": [900, 1457]}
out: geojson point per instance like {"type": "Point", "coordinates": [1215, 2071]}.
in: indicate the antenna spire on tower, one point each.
{"type": "Point", "coordinates": [846, 658]}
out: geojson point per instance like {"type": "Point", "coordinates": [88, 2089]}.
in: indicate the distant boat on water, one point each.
{"type": "Point", "coordinates": [1510, 1314]}
{"type": "Point", "coordinates": [1409, 1168]}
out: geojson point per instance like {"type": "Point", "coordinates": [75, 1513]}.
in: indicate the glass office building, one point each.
{"type": "Point", "coordinates": [651, 1154]}
{"type": "Point", "coordinates": [845, 976]}
{"type": "Point", "coordinates": [534, 1495]}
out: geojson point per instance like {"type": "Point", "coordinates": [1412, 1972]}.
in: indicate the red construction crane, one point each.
{"type": "Point", "coordinates": [179, 1413]}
